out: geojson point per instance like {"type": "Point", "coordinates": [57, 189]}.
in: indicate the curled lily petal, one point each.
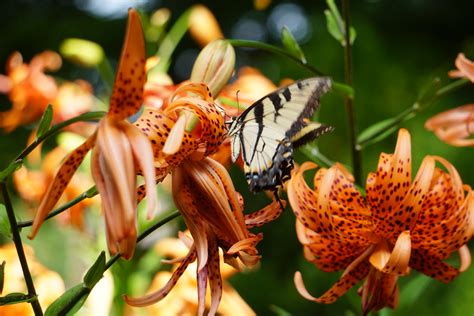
{"type": "Point", "coordinates": [63, 176]}
{"type": "Point", "coordinates": [267, 214]}
{"type": "Point", "coordinates": [465, 68]}
{"type": "Point", "coordinates": [175, 138]}
{"type": "Point", "coordinates": [400, 256]}
{"type": "Point", "coordinates": [160, 294]}
{"type": "Point", "coordinates": [347, 281]}
{"type": "Point", "coordinates": [465, 258]}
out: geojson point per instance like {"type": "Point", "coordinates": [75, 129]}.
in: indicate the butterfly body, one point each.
{"type": "Point", "coordinates": [267, 132]}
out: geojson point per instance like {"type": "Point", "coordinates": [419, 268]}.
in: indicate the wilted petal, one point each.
{"type": "Point", "coordinates": [57, 187]}
{"type": "Point", "coordinates": [127, 94]}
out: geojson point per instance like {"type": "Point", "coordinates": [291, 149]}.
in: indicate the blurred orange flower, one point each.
{"type": "Point", "coordinates": [401, 224]}
{"type": "Point", "coordinates": [465, 68]}
{"type": "Point", "coordinates": [120, 152]}
{"type": "Point", "coordinates": [454, 126]}
{"type": "Point", "coordinates": [31, 184]}
{"type": "Point", "coordinates": [48, 284]}
{"type": "Point", "coordinates": [183, 299]}
{"type": "Point", "coordinates": [31, 90]}
{"type": "Point", "coordinates": [203, 25]}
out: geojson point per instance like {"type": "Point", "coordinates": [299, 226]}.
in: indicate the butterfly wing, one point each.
{"type": "Point", "coordinates": [265, 132]}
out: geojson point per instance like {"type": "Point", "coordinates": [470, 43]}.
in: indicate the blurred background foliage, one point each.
{"type": "Point", "coordinates": [401, 46]}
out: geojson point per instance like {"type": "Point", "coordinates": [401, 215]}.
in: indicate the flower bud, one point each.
{"type": "Point", "coordinates": [214, 65]}
{"type": "Point", "coordinates": [82, 52]}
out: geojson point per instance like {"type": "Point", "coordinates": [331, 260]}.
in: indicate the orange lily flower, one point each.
{"type": "Point", "coordinates": [120, 152]}
{"type": "Point", "coordinates": [203, 26]}
{"type": "Point", "coordinates": [465, 68]}
{"type": "Point", "coordinates": [183, 299]}
{"type": "Point", "coordinates": [31, 184]}
{"type": "Point", "coordinates": [454, 126]}
{"type": "Point", "coordinates": [400, 225]}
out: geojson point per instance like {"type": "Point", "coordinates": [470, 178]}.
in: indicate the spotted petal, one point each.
{"type": "Point", "coordinates": [127, 93]}
{"type": "Point", "coordinates": [57, 187]}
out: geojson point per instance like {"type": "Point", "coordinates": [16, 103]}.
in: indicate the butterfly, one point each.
{"type": "Point", "coordinates": [267, 132]}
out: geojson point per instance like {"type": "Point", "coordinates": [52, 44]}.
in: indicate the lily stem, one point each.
{"type": "Point", "coordinates": [168, 217]}
{"type": "Point", "coordinates": [84, 195]}
{"type": "Point", "coordinates": [89, 116]}
{"type": "Point", "coordinates": [21, 253]}
{"type": "Point", "coordinates": [349, 101]}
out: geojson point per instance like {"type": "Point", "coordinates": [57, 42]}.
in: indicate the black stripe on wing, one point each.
{"type": "Point", "coordinates": [324, 84]}
{"type": "Point", "coordinates": [305, 136]}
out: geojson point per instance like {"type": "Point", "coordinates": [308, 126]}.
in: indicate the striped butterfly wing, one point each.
{"type": "Point", "coordinates": [269, 129]}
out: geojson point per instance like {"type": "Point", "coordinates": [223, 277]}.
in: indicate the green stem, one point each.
{"type": "Point", "coordinates": [315, 155]}
{"type": "Point", "coordinates": [349, 102]}
{"type": "Point", "coordinates": [89, 116]}
{"type": "Point", "coordinates": [84, 195]}
{"type": "Point", "coordinates": [169, 43]}
{"type": "Point", "coordinates": [274, 50]}
{"type": "Point", "coordinates": [168, 217]}
{"type": "Point", "coordinates": [417, 107]}
{"type": "Point", "coordinates": [19, 249]}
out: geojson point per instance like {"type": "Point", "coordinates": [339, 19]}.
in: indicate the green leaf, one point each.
{"type": "Point", "coordinates": [336, 26]}
{"type": "Point", "coordinates": [5, 229]}
{"type": "Point", "coordinates": [291, 44]}
{"type": "Point", "coordinates": [14, 166]}
{"type": "Point", "coordinates": [45, 122]}
{"type": "Point", "coordinates": [95, 273]}
{"type": "Point", "coordinates": [332, 27]}
{"type": "Point", "coordinates": [343, 89]}
{"type": "Point", "coordinates": [2, 276]}
{"type": "Point", "coordinates": [70, 302]}
{"type": "Point", "coordinates": [15, 298]}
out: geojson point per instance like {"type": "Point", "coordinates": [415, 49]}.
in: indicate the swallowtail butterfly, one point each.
{"type": "Point", "coordinates": [267, 132]}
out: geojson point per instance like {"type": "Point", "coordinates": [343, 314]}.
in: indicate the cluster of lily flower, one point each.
{"type": "Point", "coordinates": [399, 224]}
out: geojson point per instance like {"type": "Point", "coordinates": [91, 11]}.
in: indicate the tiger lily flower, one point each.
{"type": "Point", "coordinates": [465, 68]}
{"type": "Point", "coordinates": [184, 134]}
{"type": "Point", "coordinates": [400, 225]}
{"type": "Point", "coordinates": [213, 212]}
{"type": "Point", "coordinates": [120, 152]}
{"type": "Point", "coordinates": [454, 126]}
